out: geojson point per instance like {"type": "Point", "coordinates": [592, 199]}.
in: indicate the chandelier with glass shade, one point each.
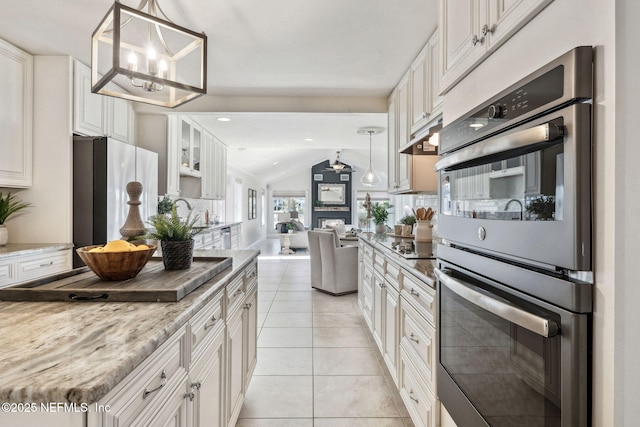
{"type": "Point", "coordinates": [370, 178]}
{"type": "Point", "coordinates": [140, 56]}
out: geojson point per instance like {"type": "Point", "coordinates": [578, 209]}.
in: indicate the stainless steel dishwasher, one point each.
{"type": "Point", "coordinates": [226, 238]}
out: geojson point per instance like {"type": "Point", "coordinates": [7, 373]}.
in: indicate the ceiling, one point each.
{"type": "Point", "coordinates": [302, 68]}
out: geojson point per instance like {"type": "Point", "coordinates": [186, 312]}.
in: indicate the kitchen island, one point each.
{"type": "Point", "coordinates": [85, 357]}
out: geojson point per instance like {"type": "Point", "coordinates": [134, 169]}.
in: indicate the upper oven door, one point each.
{"type": "Point", "coordinates": [524, 194]}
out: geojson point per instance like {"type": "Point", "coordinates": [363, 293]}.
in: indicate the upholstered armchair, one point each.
{"type": "Point", "coordinates": [334, 269]}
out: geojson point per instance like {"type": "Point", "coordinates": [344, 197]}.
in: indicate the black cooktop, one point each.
{"type": "Point", "coordinates": [408, 248]}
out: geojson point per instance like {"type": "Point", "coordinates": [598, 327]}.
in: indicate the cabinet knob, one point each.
{"type": "Point", "coordinates": [475, 40]}
{"type": "Point", "coordinates": [488, 30]}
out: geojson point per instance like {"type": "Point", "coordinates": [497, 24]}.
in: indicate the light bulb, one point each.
{"type": "Point", "coordinates": [133, 61]}
{"type": "Point", "coordinates": [152, 61]}
{"type": "Point", "coordinates": [163, 68]}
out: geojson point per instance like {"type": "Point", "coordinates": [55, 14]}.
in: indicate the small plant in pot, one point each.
{"type": "Point", "coordinates": [380, 215]}
{"type": "Point", "coordinates": [176, 238]}
{"type": "Point", "coordinates": [8, 206]}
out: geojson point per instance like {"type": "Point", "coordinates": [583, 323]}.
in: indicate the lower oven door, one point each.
{"type": "Point", "coordinates": [506, 359]}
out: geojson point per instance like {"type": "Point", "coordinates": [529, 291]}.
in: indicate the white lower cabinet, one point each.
{"type": "Point", "coordinates": [419, 400]}
{"type": "Point", "coordinates": [156, 386]}
{"type": "Point", "coordinates": [399, 309]}
{"type": "Point", "coordinates": [390, 353]}
{"type": "Point", "coordinates": [235, 350]}
{"type": "Point", "coordinates": [21, 269]}
{"type": "Point", "coordinates": [200, 375]}
{"type": "Point", "coordinates": [205, 385]}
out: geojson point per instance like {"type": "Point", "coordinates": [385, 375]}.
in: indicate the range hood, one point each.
{"type": "Point", "coordinates": [419, 144]}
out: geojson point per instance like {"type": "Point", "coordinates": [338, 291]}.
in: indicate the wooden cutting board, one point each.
{"type": "Point", "coordinates": [152, 284]}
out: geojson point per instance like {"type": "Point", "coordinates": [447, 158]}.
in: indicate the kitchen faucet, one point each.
{"type": "Point", "coordinates": [518, 202]}
{"type": "Point", "coordinates": [183, 200]}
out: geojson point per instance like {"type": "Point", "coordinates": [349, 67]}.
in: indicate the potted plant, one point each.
{"type": "Point", "coordinates": [165, 205]}
{"type": "Point", "coordinates": [176, 238]}
{"type": "Point", "coordinates": [543, 207]}
{"type": "Point", "coordinates": [8, 206]}
{"type": "Point", "coordinates": [380, 215]}
{"type": "Point", "coordinates": [407, 221]}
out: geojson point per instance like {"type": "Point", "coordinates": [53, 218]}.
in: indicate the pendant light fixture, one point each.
{"type": "Point", "coordinates": [370, 178]}
{"type": "Point", "coordinates": [142, 57]}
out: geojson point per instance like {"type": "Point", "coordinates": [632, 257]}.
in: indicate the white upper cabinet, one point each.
{"type": "Point", "coordinates": [470, 30]}
{"type": "Point", "coordinates": [392, 136]}
{"type": "Point", "coordinates": [425, 103]}
{"type": "Point", "coordinates": [99, 115]}
{"type": "Point", "coordinates": [403, 165]}
{"type": "Point", "coordinates": [190, 146]}
{"type": "Point", "coordinates": [420, 107]}
{"type": "Point", "coordinates": [16, 116]}
{"type": "Point", "coordinates": [193, 151]}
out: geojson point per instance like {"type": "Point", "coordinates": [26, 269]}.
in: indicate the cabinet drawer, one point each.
{"type": "Point", "coordinates": [251, 276]}
{"type": "Point", "coordinates": [379, 262]}
{"type": "Point", "coordinates": [420, 295]}
{"type": "Point", "coordinates": [235, 294]}
{"type": "Point", "coordinates": [150, 384]}
{"type": "Point", "coordinates": [43, 265]}
{"type": "Point", "coordinates": [419, 400]}
{"type": "Point", "coordinates": [367, 309]}
{"type": "Point", "coordinates": [392, 274]}
{"type": "Point", "coordinates": [417, 338]}
{"type": "Point", "coordinates": [207, 322]}
{"type": "Point", "coordinates": [368, 254]}
{"type": "Point", "coordinates": [367, 282]}
{"type": "Point", "coordinates": [7, 273]}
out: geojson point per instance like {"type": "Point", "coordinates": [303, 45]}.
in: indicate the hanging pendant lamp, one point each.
{"type": "Point", "coordinates": [370, 178]}
{"type": "Point", "coordinates": [144, 57]}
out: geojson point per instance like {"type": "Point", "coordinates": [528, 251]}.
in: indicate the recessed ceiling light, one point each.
{"type": "Point", "coordinates": [275, 163]}
{"type": "Point", "coordinates": [308, 139]}
{"type": "Point", "coordinates": [476, 125]}
{"type": "Point", "coordinates": [224, 119]}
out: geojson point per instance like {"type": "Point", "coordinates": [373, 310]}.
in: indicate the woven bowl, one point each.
{"type": "Point", "coordinates": [115, 265]}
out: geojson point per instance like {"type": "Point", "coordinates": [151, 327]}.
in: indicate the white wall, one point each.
{"type": "Point", "coordinates": [625, 227]}
{"type": "Point", "coordinates": [557, 29]}
{"type": "Point", "coordinates": [50, 219]}
{"type": "Point", "coordinates": [252, 230]}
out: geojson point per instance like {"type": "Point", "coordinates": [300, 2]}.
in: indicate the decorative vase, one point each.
{"type": "Point", "coordinates": [177, 255]}
{"type": "Point", "coordinates": [380, 228]}
{"type": "Point", "coordinates": [423, 230]}
{"type": "Point", "coordinates": [4, 235]}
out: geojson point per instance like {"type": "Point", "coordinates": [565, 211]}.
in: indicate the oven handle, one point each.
{"type": "Point", "coordinates": [524, 138]}
{"type": "Point", "coordinates": [536, 324]}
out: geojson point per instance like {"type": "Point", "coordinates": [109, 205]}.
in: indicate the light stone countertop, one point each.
{"type": "Point", "coordinates": [78, 351]}
{"type": "Point", "coordinates": [12, 250]}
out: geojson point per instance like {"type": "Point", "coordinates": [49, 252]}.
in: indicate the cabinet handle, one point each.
{"type": "Point", "coordinates": [248, 305]}
{"type": "Point", "coordinates": [413, 338]}
{"type": "Point", "coordinates": [411, 396]}
{"type": "Point", "coordinates": [236, 293]}
{"type": "Point", "coordinates": [163, 376]}
{"type": "Point", "coordinates": [207, 325]}
{"type": "Point", "coordinates": [415, 293]}
{"type": "Point", "coordinates": [486, 30]}
{"type": "Point", "coordinates": [89, 298]}
{"type": "Point", "coordinates": [196, 385]}
{"type": "Point", "coordinates": [46, 264]}
{"type": "Point", "coordinates": [475, 40]}
{"type": "Point", "coordinates": [190, 395]}
{"type": "Point", "coordinates": [382, 285]}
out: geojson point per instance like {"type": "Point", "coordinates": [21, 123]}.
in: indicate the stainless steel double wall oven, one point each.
{"type": "Point", "coordinates": [514, 272]}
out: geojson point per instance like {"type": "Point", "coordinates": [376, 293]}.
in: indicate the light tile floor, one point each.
{"type": "Point", "coordinates": [317, 362]}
